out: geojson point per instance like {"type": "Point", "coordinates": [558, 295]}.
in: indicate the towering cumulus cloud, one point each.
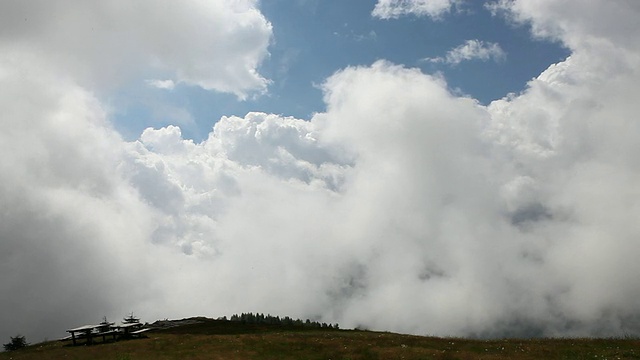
{"type": "Point", "coordinates": [402, 207]}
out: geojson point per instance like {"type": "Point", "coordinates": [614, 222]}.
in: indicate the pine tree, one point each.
{"type": "Point", "coordinates": [17, 342]}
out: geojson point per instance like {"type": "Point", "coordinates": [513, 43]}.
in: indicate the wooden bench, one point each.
{"type": "Point", "coordinates": [139, 332]}
{"type": "Point", "coordinates": [66, 338]}
{"type": "Point", "coordinates": [105, 333]}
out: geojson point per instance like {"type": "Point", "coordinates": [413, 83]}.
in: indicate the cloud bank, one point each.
{"type": "Point", "coordinates": [402, 207]}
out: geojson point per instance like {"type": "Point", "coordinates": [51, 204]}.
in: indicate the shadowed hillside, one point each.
{"type": "Point", "coordinates": [201, 338]}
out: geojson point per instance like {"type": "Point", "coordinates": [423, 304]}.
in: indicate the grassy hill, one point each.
{"type": "Point", "coordinates": [217, 339]}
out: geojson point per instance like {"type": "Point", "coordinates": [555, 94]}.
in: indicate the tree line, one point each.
{"type": "Point", "coordinates": [251, 318]}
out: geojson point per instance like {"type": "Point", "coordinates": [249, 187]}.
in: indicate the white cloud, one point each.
{"type": "Point", "coordinates": [69, 225]}
{"type": "Point", "coordinates": [472, 50]}
{"type": "Point", "coordinates": [162, 84]}
{"type": "Point", "coordinates": [216, 45]}
{"type": "Point", "coordinates": [593, 24]}
{"type": "Point", "coordinates": [402, 207]}
{"type": "Point", "coordinates": [392, 9]}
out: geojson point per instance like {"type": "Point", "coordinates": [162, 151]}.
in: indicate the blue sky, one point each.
{"type": "Point", "coordinates": [314, 39]}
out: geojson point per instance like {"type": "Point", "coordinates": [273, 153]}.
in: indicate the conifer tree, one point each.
{"type": "Point", "coordinates": [17, 342]}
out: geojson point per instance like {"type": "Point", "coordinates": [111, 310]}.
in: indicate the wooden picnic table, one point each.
{"type": "Point", "coordinates": [129, 328]}
{"type": "Point", "coordinates": [82, 332]}
{"type": "Point", "coordinates": [90, 331]}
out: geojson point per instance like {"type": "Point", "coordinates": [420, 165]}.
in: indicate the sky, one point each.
{"type": "Point", "coordinates": [312, 39]}
{"type": "Point", "coordinates": [440, 167]}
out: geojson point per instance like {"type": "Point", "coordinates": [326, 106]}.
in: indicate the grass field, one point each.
{"type": "Point", "coordinates": [213, 339]}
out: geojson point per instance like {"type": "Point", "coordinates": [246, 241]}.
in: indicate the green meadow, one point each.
{"type": "Point", "coordinates": [221, 339]}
